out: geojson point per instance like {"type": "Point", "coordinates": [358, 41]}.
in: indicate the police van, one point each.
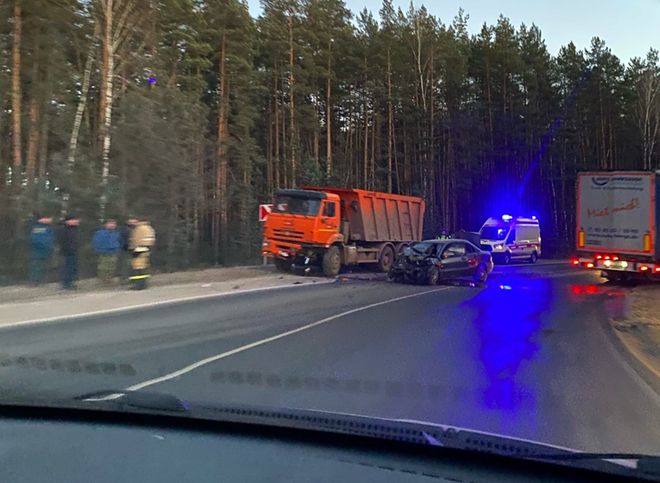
{"type": "Point", "coordinates": [509, 238]}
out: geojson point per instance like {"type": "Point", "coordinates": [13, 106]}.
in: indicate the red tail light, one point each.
{"type": "Point", "coordinates": [607, 257]}
{"type": "Point", "coordinates": [590, 265]}
{"type": "Point", "coordinates": [615, 258]}
{"type": "Point", "coordinates": [599, 257]}
{"type": "Point", "coordinates": [644, 268]}
{"type": "Point", "coordinates": [575, 261]}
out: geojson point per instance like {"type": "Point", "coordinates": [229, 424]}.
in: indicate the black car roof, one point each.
{"type": "Point", "coordinates": [448, 240]}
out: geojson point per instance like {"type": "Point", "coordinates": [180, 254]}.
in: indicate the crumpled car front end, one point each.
{"type": "Point", "coordinates": [410, 267]}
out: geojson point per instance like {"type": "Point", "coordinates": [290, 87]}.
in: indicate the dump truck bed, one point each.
{"type": "Point", "coordinates": [379, 217]}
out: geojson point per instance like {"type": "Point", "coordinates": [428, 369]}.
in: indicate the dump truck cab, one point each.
{"type": "Point", "coordinates": [331, 227]}
{"type": "Point", "coordinates": [301, 219]}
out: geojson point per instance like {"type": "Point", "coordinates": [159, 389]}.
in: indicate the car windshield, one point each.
{"type": "Point", "coordinates": [425, 248]}
{"type": "Point", "coordinates": [296, 205]}
{"type": "Point", "coordinates": [240, 201]}
{"type": "Point", "coordinates": [493, 233]}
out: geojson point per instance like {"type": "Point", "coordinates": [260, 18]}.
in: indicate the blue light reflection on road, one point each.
{"type": "Point", "coordinates": [507, 319]}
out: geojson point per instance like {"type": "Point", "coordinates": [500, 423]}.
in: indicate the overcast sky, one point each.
{"type": "Point", "coordinates": [629, 27]}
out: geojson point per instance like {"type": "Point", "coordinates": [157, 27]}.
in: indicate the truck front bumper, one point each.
{"type": "Point", "coordinates": [288, 250]}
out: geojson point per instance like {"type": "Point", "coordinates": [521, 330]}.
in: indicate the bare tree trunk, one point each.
{"type": "Point", "coordinates": [372, 171]}
{"type": "Point", "coordinates": [269, 148]}
{"type": "Point", "coordinates": [82, 103]}
{"type": "Point", "coordinates": [16, 94]}
{"type": "Point", "coordinates": [221, 171]}
{"type": "Point", "coordinates": [105, 111]}
{"type": "Point", "coordinates": [33, 139]}
{"type": "Point", "coordinates": [292, 103]}
{"type": "Point", "coordinates": [276, 102]}
{"type": "Point", "coordinates": [390, 122]}
{"type": "Point", "coordinates": [648, 106]}
{"type": "Point", "coordinates": [43, 150]}
{"type": "Point", "coordinates": [365, 152]}
{"type": "Point", "coordinates": [328, 116]}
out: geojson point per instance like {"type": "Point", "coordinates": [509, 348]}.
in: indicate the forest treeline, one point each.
{"type": "Point", "coordinates": [192, 112]}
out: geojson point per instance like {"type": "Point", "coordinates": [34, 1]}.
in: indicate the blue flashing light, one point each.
{"type": "Point", "coordinates": [507, 217]}
{"type": "Point", "coordinates": [534, 217]}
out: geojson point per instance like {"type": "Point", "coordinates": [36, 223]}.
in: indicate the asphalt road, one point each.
{"type": "Point", "coordinates": [526, 355]}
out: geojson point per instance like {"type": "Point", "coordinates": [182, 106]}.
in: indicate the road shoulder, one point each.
{"type": "Point", "coordinates": [64, 305]}
{"type": "Point", "coordinates": [636, 332]}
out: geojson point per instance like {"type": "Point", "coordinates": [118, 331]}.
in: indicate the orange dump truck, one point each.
{"type": "Point", "coordinates": [332, 227]}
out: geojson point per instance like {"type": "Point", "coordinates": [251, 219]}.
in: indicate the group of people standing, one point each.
{"type": "Point", "coordinates": [127, 249]}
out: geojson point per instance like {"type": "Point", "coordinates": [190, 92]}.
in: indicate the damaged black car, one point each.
{"type": "Point", "coordinates": [433, 260]}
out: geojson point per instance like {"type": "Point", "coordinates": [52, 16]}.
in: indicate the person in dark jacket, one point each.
{"type": "Point", "coordinates": [107, 243]}
{"type": "Point", "coordinates": [68, 241]}
{"type": "Point", "coordinates": [41, 247]}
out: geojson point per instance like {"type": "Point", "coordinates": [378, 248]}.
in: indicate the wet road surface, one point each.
{"type": "Point", "coordinates": [527, 355]}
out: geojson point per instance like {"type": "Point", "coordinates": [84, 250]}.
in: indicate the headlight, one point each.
{"type": "Point", "coordinates": [498, 246]}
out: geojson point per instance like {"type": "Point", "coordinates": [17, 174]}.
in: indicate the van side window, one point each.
{"type": "Point", "coordinates": [512, 236]}
{"type": "Point", "coordinates": [330, 209]}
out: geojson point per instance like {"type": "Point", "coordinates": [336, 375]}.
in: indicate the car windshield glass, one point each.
{"type": "Point", "coordinates": [423, 248]}
{"type": "Point", "coordinates": [296, 205]}
{"type": "Point", "coordinates": [493, 233]}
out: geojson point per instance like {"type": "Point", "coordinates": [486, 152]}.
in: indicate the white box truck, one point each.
{"type": "Point", "coordinates": [617, 221]}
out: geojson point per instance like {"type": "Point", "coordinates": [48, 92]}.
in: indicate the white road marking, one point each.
{"type": "Point", "coordinates": [160, 303]}
{"type": "Point", "coordinates": [223, 355]}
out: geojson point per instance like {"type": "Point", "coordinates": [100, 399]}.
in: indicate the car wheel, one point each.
{"type": "Point", "coordinates": [433, 276]}
{"type": "Point", "coordinates": [534, 257]}
{"type": "Point", "coordinates": [481, 274]}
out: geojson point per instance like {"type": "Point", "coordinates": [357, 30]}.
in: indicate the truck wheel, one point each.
{"type": "Point", "coordinates": [386, 259]}
{"type": "Point", "coordinates": [534, 257]}
{"type": "Point", "coordinates": [331, 262]}
{"type": "Point", "coordinates": [613, 277]}
{"type": "Point", "coordinates": [282, 265]}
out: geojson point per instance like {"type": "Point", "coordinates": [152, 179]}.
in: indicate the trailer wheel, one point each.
{"type": "Point", "coordinates": [282, 265]}
{"type": "Point", "coordinates": [613, 277]}
{"type": "Point", "coordinates": [331, 262]}
{"type": "Point", "coordinates": [386, 258]}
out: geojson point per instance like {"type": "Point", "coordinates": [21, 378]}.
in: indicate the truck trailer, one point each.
{"type": "Point", "coordinates": [618, 215]}
{"type": "Point", "coordinates": [335, 227]}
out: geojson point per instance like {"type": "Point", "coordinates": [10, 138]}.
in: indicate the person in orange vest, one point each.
{"type": "Point", "coordinates": [143, 238]}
